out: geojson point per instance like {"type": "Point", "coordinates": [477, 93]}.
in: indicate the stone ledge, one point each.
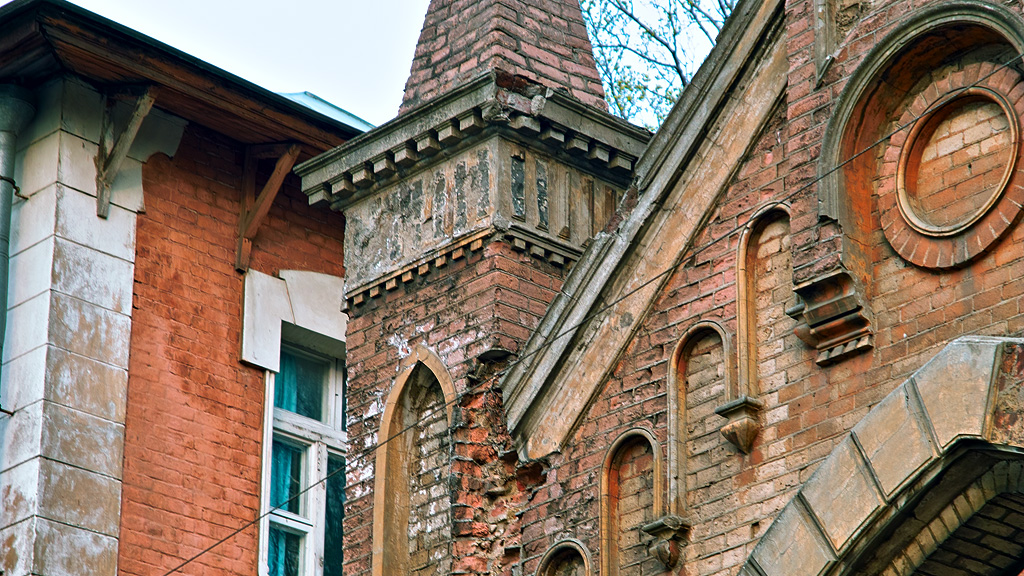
{"type": "Point", "coordinates": [520, 239]}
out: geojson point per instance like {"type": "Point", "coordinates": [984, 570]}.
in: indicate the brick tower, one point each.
{"type": "Point", "coordinates": [463, 216]}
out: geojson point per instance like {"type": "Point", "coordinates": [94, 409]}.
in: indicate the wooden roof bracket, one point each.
{"type": "Point", "coordinates": [253, 209]}
{"type": "Point", "coordinates": [112, 154]}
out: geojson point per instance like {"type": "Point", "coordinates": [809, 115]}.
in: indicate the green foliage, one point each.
{"type": "Point", "coordinates": [647, 50]}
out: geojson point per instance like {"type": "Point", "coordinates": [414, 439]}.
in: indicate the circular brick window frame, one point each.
{"type": "Point", "coordinates": [949, 245]}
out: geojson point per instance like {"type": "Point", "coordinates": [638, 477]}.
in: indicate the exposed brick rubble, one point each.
{"type": "Point", "coordinates": [543, 40]}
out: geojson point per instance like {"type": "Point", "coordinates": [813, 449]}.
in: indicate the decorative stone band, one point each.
{"type": "Point", "coordinates": [535, 115]}
{"type": "Point", "coordinates": [965, 402]}
{"type": "Point", "coordinates": [520, 238]}
{"type": "Point", "coordinates": [950, 188]}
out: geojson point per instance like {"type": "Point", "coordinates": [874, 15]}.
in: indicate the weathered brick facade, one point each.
{"type": "Point", "coordinates": [781, 337]}
{"type": "Point", "coordinates": [543, 40]}
{"type": "Point", "coordinates": [194, 424]}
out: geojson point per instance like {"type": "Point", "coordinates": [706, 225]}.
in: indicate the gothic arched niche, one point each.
{"type": "Point", "coordinates": [942, 193]}
{"type": "Point", "coordinates": [412, 501]}
{"type": "Point", "coordinates": [567, 558]}
{"type": "Point", "coordinates": [631, 500]}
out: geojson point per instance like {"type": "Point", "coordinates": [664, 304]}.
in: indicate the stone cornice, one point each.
{"type": "Point", "coordinates": [494, 102]}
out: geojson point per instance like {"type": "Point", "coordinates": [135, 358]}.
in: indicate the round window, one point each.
{"type": "Point", "coordinates": [949, 188]}
{"type": "Point", "coordinates": [957, 161]}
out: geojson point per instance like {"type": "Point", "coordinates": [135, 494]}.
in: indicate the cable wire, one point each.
{"type": "Point", "coordinates": [600, 310]}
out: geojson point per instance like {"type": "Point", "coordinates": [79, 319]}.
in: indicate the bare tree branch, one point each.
{"type": "Point", "coordinates": [646, 51]}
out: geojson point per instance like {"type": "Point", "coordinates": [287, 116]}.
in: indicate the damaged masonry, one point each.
{"type": "Point", "coordinates": [507, 333]}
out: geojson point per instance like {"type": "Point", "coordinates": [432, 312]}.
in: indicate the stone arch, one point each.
{"type": "Point", "coordinates": [677, 402]}
{"type": "Point", "coordinates": [747, 308]}
{"type": "Point", "coordinates": [413, 407]}
{"type": "Point", "coordinates": [867, 104]}
{"type": "Point", "coordinates": [622, 484]}
{"type": "Point", "coordinates": [921, 464]}
{"type": "Point", "coordinates": [566, 558]}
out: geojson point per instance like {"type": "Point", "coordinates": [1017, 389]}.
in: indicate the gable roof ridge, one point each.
{"type": "Point", "coordinates": [529, 387]}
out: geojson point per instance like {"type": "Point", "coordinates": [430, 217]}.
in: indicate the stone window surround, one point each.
{"type": "Point", "coordinates": [291, 309]}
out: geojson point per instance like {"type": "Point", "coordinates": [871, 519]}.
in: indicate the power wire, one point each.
{"type": "Point", "coordinates": [600, 310]}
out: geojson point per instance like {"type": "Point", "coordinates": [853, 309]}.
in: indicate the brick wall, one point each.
{"type": "Point", "coordinates": [194, 415]}
{"type": "Point", "coordinates": [488, 299]}
{"type": "Point", "coordinates": [631, 494]}
{"type": "Point", "coordinates": [430, 513]}
{"type": "Point", "coordinates": [544, 40]}
{"type": "Point", "coordinates": [733, 497]}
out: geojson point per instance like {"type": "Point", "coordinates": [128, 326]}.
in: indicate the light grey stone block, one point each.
{"type": "Point", "coordinates": [21, 435]}
{"type": "Point", "coordinates": [93, 276]}
{"type": "Point", "coordinates": [77, 167]}
{"type": "Point", "coordinates": [17, 547]}
{"type": "Point", "coordinates": [792, 547]}
{"type": "Point", "coordinates": [37, 166]}
{"type": "Point", "coordinates": [19, 492]}
{"type": "Point", "coordinates": [82, 110]}
{"type": "Point", "coordinates": [842, 494]}
{"type": "Point", "coordinates": [85, 441]}
{"type": "Point", "coordinates": [30, 273]}
{"type": "Point", "coordinates": [72, 551]}
{"type": "Point", "coordinates": [895, 440]}
{"type": "Point", "coordinates": [86, 384]}
{"type": "Point", "coordinates": [33, 220]}
{"type": "Point", "coordinates": [954, 387]}
{"type": "Point", "coordinates": [79, 498]}
{"type": "Point", "coordinates": [115, 235]}
{"type": "Point", "coordinates": [27, 327]}
{"type": "Point", "coordinates": [48, 114]}
{"type": "Point", "coordinates": [89, 330]}
{"type": "Point", "coordinates": [23, 380]}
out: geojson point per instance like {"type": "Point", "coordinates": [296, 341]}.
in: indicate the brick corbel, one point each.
{"type": "Point", "coordinates": [831, 317]}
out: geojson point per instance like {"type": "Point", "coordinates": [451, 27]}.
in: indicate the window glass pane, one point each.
{"type": "Point", "coordinates": [299, 386]}
{"type": "Point", "coordinates": [283, 553]}
{"type": "Point", "coordinates": [333, 556]}
{"type": "Point", "coordinates": [285, 477]}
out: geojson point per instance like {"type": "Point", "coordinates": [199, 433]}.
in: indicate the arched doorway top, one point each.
{"type": "Point", "coordinates": [968, 392]}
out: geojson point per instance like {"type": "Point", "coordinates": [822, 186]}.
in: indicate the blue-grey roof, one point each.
{"type": "Point", "coordinates": [318, 104]}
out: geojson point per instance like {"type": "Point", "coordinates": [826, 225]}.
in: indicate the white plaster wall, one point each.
{"type": "Point", "coordinates": [65, 357]}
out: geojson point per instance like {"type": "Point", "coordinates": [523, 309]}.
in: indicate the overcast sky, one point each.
{"type": "Point", "coordinates": [353, 53]}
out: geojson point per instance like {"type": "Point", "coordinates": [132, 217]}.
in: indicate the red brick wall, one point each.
{"type": "Point", "coordinates": [490, 298]}
{"type": "Point", "coordinates": [631, 498]}
{"type": "Point", "coordinates": [193, 430]}
{"type": "Point", "coordinates": [733, 497]}
{"type": "Point", "coordinates": [544, 40]}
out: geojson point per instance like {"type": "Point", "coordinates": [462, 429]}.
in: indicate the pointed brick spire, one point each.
{"type": "Point", "coordinates": [543, 40]}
